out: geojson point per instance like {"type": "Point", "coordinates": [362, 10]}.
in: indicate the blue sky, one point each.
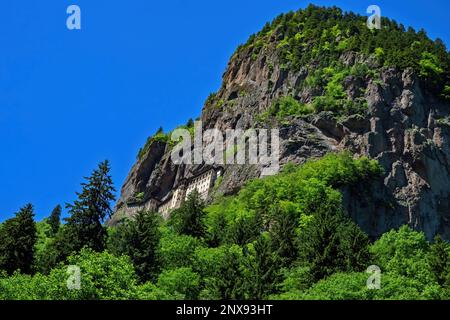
{"type": "Point", "coordinates": [70, 99]}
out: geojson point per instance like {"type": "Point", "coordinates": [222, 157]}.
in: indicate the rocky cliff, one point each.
{"type": "Point", "coordinates": [403, 125]}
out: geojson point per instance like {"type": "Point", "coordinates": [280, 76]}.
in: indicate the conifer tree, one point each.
{"type": "Point", "coordinates": [229, 283]}
{"type": "Point", "coordinates": [84, 227]}
{"type": "Point", "coordinates": [439, 261]}
{"type": "Point", "coordinates": [17, 240]}
{"type": "Point", "coordinates": [189, 217]}
{"type": "Point", "coordinates": [262, 269]}
{"type": "Point", "coordinates": [190, 123]}
{"type": "Point", "coordinates": [54, 219]}
{"type": "Point", "coordinates": [332, 243]}
{"type": "Point", "coordinates": [139, 239]}
{"type": "Point", "coordinates": [283, 235]}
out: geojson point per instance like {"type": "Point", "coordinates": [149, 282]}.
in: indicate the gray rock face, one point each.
{"type": "Point", "coordinates": [405, 128]}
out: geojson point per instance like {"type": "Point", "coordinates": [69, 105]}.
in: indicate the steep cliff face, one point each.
{"type": "Point", "coordinates": [403, 125]}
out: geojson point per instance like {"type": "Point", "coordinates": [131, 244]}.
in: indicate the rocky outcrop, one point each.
{"type": "Point", "coordinates": [405, 128]}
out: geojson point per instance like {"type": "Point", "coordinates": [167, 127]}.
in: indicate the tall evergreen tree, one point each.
{"type": "Point", "coordinates": [332, 243]}
{"type": "Point", "coordinates": [439, 261]}
{"type": "Point", "coordinates": [230, 280]}
{"type": "Point", "coordinates": [190, 123]}
{"type": "Point", "coordinates": [139, 239]}
{"type": "Point", "coordinates": [55, 219]}
{"type": "Point", "coordinates": [85, 227]}
{"type": "Point", "coordinates": [17, 240]}
{"type": "Point", "coordinates": [283, 235]}
{"type": "Point", "coordinates": [262, 269]}
{"type": "Point", "coordinates": [189, 217]}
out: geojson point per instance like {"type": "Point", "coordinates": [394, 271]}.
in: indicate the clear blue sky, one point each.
{"type": "Point", "coordinates": [70, 99]}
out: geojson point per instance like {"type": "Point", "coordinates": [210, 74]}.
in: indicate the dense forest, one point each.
{"type": "Point", "coordinates": [282, 237]}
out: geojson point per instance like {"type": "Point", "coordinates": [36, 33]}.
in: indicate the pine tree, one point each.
{"type": "Point", "coordinates": [54, 219]}
{"type": "Point", "coordinates": [190, 123]}
{"type": "Point", "coordinates": [17, 240]}
{"type": "Point", "coordinates": [229, 283]}
{"type": "Point", "coordinates": [318, 245]}
{"type": "Point", "coordinates": [139, 239]}
{"type": "Point", "coordinates": [353, 247]}
{"type": "Point", "coordinates": [283, 235]}
{"type": "Point", "coordinates": [189, 217]}
{"type": "Point", "coordinates": [439, 261]}
{"type": "Point", "coordinates": [332, 243]}
{"type": "Point", "coordinates": [85, 225]}
{"type": "Point", "coordinates": [262, 269]}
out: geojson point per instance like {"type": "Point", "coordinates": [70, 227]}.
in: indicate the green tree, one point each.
{"type": "Point", "coordinates": [190, 123]}
{"type": "Point", "coordinates": [330, 242]}
{"type": "Point", "coordinates": [176, 250]}
{"type": "Point", "coordinates": [102, 277]}
{"type": "Point", "coordinates": [17, 240]}
{"type": "Point", "coordinates": [403, 252]}
{"type": "Point", "coordinates": [44, 251]}
{"type": "Point", "coordinates": [139, 239]}
{"type": "Point", "coordinates": [84, 227]}
{"type": "Point", "coordinates": [229, 281]}
{"type": "Point", "coordinates": [439, 261]}
{"type": "Point", "coordinates": [181, 283]}
{"type": "Point", "coordinates": [189, 218]}
{"type": "Point", "coordinates": [283, 233]}
{"type": "Point", "coordinates": [55, 219]}
{"type": "Point", "coordinates": [262, 269]}
{"type": "Point", "coordinates": [353, 286]}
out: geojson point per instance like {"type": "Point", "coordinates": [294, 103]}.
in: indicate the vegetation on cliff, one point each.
{"type": "Point", "coordinates": [316, 37]}
{"type": "Point", "coordinates": [283, 237]}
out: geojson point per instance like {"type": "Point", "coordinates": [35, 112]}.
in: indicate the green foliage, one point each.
{"type": "Point", "coordinates": [228, 277]}
{"type": "Point", "coordinates": [281, 237]}
{"type": "Point", "coordinates": [177, 250]}
{"type": "Point", "coordinates": [54, 220]}
{"type": "Point", "coordinates": [158, 137]}
{"type": "Point", "coordinates": [85, 225]}
{"type": "Point", "coordinates": [332, 243]}
{"type": "Point", "coordinates": [439, 261]}
{"type": "Point", "coordinates": [283, 232]}
{"type": "Point", "coordinates": [296, 192]}
{"type": "Point", "coordinates": [103, 276]}
{"type": "Point", "coordinates": [211, 98]}
{"type": "Point", "coordinates": [182, 283]}
{"type": "Point", "coordinates": [446, 93]}
{"type": "Point", "coordinates": [139, 239]}
{"type": "Point", "coordinates": [430, 66]}
{"type": "Point", "coordinates": [379, 53]}
{"type": "Point", "coordinates": [44, 251]}
{"type": "Point", "coordinates": [316, 37]}
{"type": "Point", "coordinates": [352, 286]}
{"type": "Point", "coordinates": [188, 219]}
{"type": "Point", "coordinates": [286, 107]}
{"type": "Point", "coordinates": [403, 252]}
{"type": "Point", "coordinates": [139, 196]}
{"type": "Point", "coordinates": [262, 269]}
{"type": "Point", "coordinates": [17, 240]}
